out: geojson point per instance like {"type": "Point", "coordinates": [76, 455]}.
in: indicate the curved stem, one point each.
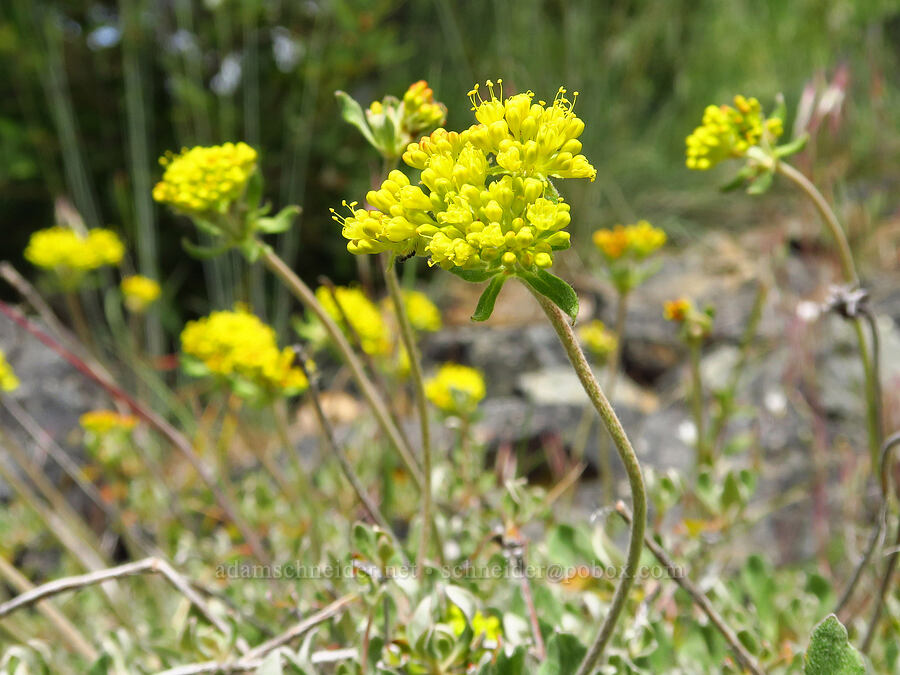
{"type": "Point", "coordinates": [632, 468]}
{"type": "Point", "coordinates": [679, 575]}
{"type": "Point", "coordinates": [828, 216]}
{"type": "Point", "coordinates": [415, 363]}
{"type": "Point", "coordinates": [851, 277]}
{"type": "Point", "coordinates": [303, 293]}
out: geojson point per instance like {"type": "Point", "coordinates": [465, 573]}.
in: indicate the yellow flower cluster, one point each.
{"type": "Point", "coordinates": [486, 626]}
{"type": "Point", "coordinates": [102, 422]}
{"type": "Point", "coordinates": [362, 314]}
{"type": "Point", "coordinates": [637, 241]}
{"type": "Point", "coordinates": [423, 314]}
{"type": "Point", "coordinates": [600, 341]}
{"type": "Point", "coordinates": [238, 344]}
{"type": "Point", "coordinates": [456, 389]}
{"type": "Point", "coordinates": [139, 291]}
{"type": "Point", "coordinates": [66, 251]}
{"type": "Point", "coordinates": [485, 201]}
{"type": "Point", "coordinates": [728, 132]}
{"type": "Point", "coordinates": [677, 310]}
{"type": "Point", "coordinates": [420, 111]}
{"type": "Point", "coordinates": [203, 180]}
{"type": "Point", "coordinates": [8, 379]}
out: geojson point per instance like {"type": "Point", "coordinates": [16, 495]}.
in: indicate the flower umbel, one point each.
{"type": "Point", "coordinates": [484, 201]}
{"type": "Point", "coordinates": [8, 379]}
{"type": "Point", "coordinates": [240, 347]}
{"type": "Point", "coordinates": [69, 253]}
{"type": "Point", "coordinates": [637, 241]}
{"type": "Point", "coordinates": [456, 389]}
{"type": "Point", "coordinates": [140, 292]}
{"type": "Point", "coordinates": [728, 132]}
{"type": "Point", "coordinates": [362, 314]}
{"type": "Point", "coordinates": [205, 180]}
{"type": "Point", "coordinates": [102, 422]}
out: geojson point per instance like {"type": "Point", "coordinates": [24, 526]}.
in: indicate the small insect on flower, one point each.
{"type": "Point", "coordinates": [599, 341]}
{"type": "Point", "coordinates": [140, 292]}
{"type": "Point", "coordinates": [8, 380]}
{"type": "Point", "coordinates": [102, 422]}
{"type": "Point", "coordinates": [456, 389]}
{"type": "Point", "coordinates": [205, 180]}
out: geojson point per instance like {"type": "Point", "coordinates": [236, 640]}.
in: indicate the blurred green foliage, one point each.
{"type": "Point", "coordinates": [94, 92]}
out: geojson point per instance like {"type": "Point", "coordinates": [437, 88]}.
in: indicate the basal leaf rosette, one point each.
{"type": "Point", "coordinates": [483, 206]}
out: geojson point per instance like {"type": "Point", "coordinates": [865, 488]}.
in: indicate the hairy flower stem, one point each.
{"type": "Point", "coordinates": [632, 468]}
{"type": "Point", "coordinates": [704, 455]}
{"type": "Point", "coordinates": [303, 293]}
{"type": "Point", "coordinates": [415, 363]}
{"type": "Point", "coordinates": [850, 277]}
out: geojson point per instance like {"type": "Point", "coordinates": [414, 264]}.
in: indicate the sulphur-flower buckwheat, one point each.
{"type": "Point", "coordinates": [456, 389]}
{"type": "Point", "coordinates": [205, 180]}
{"type": "Point", "coordinates": [238, 346]}
{"type": "Point", "coordinates": [139, 292]}
{"type": "Point", "coordinates": [67, 252]}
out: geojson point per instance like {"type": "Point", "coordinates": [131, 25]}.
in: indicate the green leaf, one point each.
{"type": "Point", "coordinates": [203, 252]}
{"type": "Point", "coordinates": [271, 665]}
{"type": "Point", "coordinates": [792, 147]}
{"type": "Point", "coordinates": [475, 276]}
{"type": "Point", "coordinates": [488, 297]}
{"type": "Point", "coordinates": [514, 664]}
{"type": "Point", "coordinates": [564, 654]}
{"type": "Point", "coordinates": [353, 113]}
{"type": "Point", "coordinates": [280, 222]}
{"type": "Point", "coordinates": [553, 288]}
{"type": "Point", "coordinates": [830, 651]}
{"type": "Point", "coordinates": [760, 184]}
{"type": "Point", "coordinates": [739, 179]}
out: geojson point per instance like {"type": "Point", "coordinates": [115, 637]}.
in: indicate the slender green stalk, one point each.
{"type": "Point", "coordinates": [303, 293]}
{"type": "Point", "coordinates": [356, 343]}
{"type": "Point", "coordinates": [704, 456]}
{"type": "Point", "coordinates": [79, 321]}
{"type": "Point", "coordinates": [632, 468]}
{"type": "Point", "coordinates": [346, 467]}
{"type": "Point", "coordinates": [850, 277]}
{"type": "Point", "coordinates": [415, 361]}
